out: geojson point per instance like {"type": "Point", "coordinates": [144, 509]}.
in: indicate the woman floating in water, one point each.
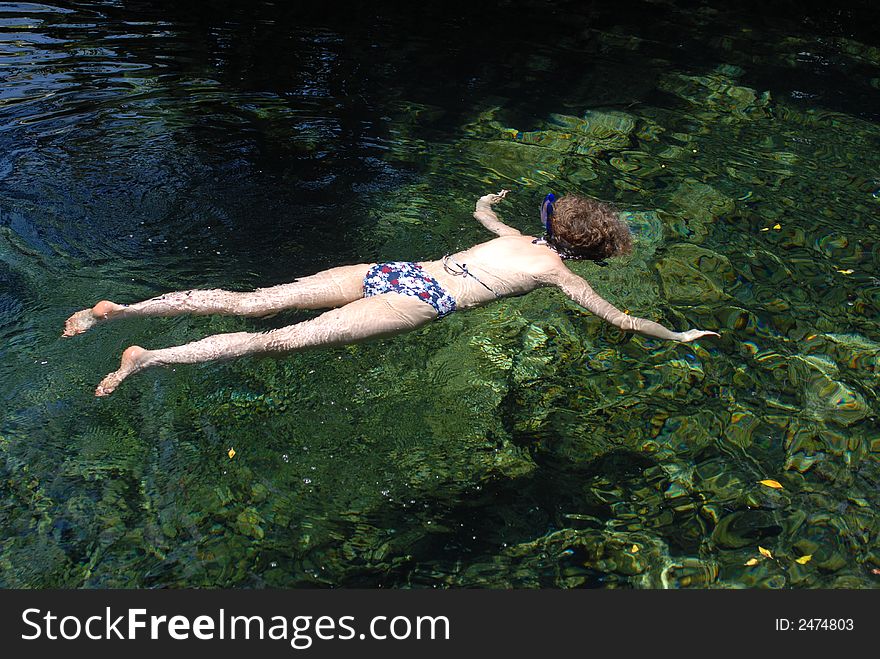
{"type": "Point", "coordinates": [382, 299]}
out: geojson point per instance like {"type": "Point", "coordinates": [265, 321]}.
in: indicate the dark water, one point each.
{"type": "Point", "coordinates": [147, 147]}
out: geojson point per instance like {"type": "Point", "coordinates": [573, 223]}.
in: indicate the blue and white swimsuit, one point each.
{"type": "Point", "coordinates": [408, 278]}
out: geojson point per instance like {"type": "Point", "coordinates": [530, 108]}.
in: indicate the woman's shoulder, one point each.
{"type": "Point", "coordinates": [513, 242]}
{"type": "Point", "coordinates": [523, 253]}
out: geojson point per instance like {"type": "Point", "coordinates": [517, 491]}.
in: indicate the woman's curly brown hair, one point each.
{"type": "Point", "coordinates": [584, 228]}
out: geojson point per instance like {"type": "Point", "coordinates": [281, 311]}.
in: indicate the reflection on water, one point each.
{"type": "Point", "coordinates": [146, 149]}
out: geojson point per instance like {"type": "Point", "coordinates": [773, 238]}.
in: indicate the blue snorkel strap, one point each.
{"type": "Point", "coordinates": [547, 213]}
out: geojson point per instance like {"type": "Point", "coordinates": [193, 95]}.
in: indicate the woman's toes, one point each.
{"type": "Point", "coordinates": [132, 360]}
{"type": "Point", "coordinates": [79, 322]}
{"type": "Point", "coordinates": [83, 320]}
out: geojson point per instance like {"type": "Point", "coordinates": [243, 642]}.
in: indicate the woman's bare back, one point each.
{"type": "Point", "coordinates": [503, 267]}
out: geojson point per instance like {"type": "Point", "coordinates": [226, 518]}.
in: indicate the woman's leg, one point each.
{"type": "Point", "coordinates": [366, 318]}
{"type": "Point", "coordinates": [330, 288]}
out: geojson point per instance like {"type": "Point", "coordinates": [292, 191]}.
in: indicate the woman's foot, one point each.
{"type": "Point", "coordinates": [83, 320]}
{"type": "Point", "coordinates": [132, 362]}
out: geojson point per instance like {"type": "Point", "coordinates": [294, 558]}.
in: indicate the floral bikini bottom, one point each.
{"type": "Point", "coordinates": [408, 278]}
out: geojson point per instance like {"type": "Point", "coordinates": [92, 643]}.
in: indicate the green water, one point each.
{"type": "Point", "coordinates": [523, 444]}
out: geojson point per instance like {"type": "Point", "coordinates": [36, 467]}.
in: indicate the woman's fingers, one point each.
{"type": "Point", "coordinates": [693, 335]}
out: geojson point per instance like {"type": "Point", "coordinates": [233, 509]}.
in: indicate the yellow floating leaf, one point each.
{"type": "Point", "coordinates": [766, 229]}
{"type": "Point", "coordinates": [811, 337]}
{"type": "Point", "coordinates": [769, 482]}
{"type": "Point", "coordinates": [804, 559]}
{"type": "Point", "coordinates": [764, 552]}
{"type": "Point", "coordinates": [848, 271]}
{"type": "Point", "coordinates": [751, 562]}
{"type": "Point", "coordinates": [635, 549]}
{"type": "Point", "coordinates": [231, 453]}
{"type": "Point", "coordinates": [777, 226]}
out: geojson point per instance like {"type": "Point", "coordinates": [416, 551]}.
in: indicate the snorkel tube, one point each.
{"type": "Point", "coordinates": [547, 213]}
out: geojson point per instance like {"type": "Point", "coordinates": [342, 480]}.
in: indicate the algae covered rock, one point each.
{"type": "Point", "coordinates": [694, 275]}
{"type": "Point", "coordinates": [741, 427]}
{"type": "Point", "coordinates": [745, 528]}
{"type": "Point", "coordinates": [250, 523]}
{"type": "Point", "coordinates": [36, 561]}
{"type": "Point", "coordinates": [647, 230]}
{"type": "Point", "coordinates": [565, 146]}
{"type": "Point", "coordinates": [525, 163]}
{"type": "Point", "coordinates": [579, 558]}
{"type": "Point", "coordinates": [716, 94]}
{"type": "Point", "coordinates": [598, 132]}
{"type": "Point", "coordinates": [850, 351]}
{"type": "Point", "coordinates": [824, 396]}
{"type": "Point", "coordinates": [571, 558]}
{"type": "Point", "coordinates": [834, 401]}
{"type": "Point", "coordinates": [701, 205]}
{"type": "Point", "coordinates": [449, 438]}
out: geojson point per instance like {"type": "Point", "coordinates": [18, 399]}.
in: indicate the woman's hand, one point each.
{"type": "Point", "coordinates": [490, 199]}
{"type": "Point", "coordinates": [694, 334]}
{"type": "Point", "coordinates": [485, 214]}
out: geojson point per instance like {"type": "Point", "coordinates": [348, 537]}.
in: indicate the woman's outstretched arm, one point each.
{"type": "Point", "coordinates": [487, 217]}
{"type": "Point", "coordinates": [581, 292]}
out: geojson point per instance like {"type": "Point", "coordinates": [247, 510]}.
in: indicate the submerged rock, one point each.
{"type": "Point", "coordinates": [571, 559]}
{"type": "Point", "coordinates": [831, 400]}
{"type": "Point", "coordinates": [694, 275]}
{"type": "Point", "coordinates": [701, 206]}
{"type": "Point", "coordinates": [512, 153]}
{"type": "Point", "coordinates": [597, 123]}
{"type": "Point", "coordinates": [598, 132]}
{"type": "Point", "coordinates": [850, 351]}
{"type": "Point", "coordinates": [716, 94]}
{"type": "Point", "coordinates": [524, 163]}
{"type": "Point", "coordinates": [745, 528]}
{"type": "Point", "coordinates": [250, 523]}
{"type": "Point", "coordinates": [647, 229]}
{"type": "Point", "coordinates": [741, 427]}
